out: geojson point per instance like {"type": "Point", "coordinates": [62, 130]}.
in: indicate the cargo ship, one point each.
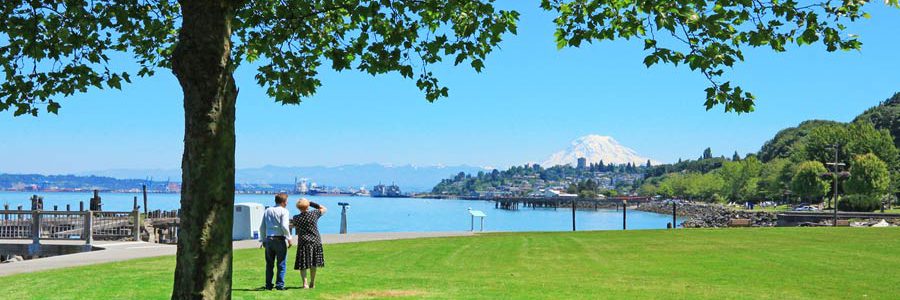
{"type": "Point", "coordinates": [327, 192]}
{"type": "Point", "coordinates": [393, 191]}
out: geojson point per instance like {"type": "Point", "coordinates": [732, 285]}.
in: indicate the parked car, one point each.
{"type": "Point", "coordinates": [806, 208]}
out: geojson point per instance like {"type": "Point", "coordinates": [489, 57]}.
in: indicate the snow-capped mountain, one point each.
{"type": "Point", "coordinates": [595, 148]}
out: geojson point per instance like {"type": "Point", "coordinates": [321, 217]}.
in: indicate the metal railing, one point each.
{"type": "Point", "coordinates": [69, 225]}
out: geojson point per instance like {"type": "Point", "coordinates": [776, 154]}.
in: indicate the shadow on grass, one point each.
{"type": "Point", "coordinates": [263, 289]}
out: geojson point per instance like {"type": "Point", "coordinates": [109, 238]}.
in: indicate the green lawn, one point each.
{"type": "Point", "coordinates": [764, 263]}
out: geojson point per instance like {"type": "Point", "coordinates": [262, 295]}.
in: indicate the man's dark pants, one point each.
{"type": "Point", "coordinates": [276, 250]}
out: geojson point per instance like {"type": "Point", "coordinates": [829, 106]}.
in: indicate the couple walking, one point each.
{"type": "Point", "coordinates": [275, 236]}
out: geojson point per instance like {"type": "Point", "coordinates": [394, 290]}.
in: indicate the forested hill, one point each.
{"type": "Point", "coordinates": [885, 116]}
{"type": "Point", "coordinates": [789, 167]}
{"type": "Point", "coordinates": [72, 182]}
{"type": "Point", "coordinates": [786, 140]}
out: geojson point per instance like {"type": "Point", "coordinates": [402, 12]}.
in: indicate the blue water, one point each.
{"type": "Point", "coordinates": [387, 214]}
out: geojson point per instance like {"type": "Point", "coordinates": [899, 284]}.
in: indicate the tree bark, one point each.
{"type": "Point", "coordinates": [202, 63]}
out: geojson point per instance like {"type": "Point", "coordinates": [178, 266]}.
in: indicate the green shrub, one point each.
{"type": "Point", "coordinates": [859, 202]}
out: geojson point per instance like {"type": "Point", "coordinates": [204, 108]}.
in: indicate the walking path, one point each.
{"type": "Point", "coordinates": [119, 251]}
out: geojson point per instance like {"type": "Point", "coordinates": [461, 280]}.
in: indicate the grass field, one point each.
{"type": "Point", "coordinates": [765, 263]}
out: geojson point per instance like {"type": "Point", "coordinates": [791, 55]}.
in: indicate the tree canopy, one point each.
{"type": "Point", "coordinates": [775, 178]}
{"type": "Point", "coordinates": [788, 140]}
{"type": "Point", "coordinates": [709, 36]}
{"type": "Point", "coordinates": [854, 139]}
{"type": "Point", "coordinates": [741, 179]}
{"type": "Point", "coordinates": [54, 49]}
{"type": "Point", "coordinates": [884, 116]}
{"type": "Point", "coordinates": [868, 175]}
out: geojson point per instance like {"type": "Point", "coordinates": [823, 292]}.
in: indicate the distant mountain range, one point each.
{"type": "Point", "coordinates": [409, 178]}
{"type": "Point", "coordinates": [595, 148]}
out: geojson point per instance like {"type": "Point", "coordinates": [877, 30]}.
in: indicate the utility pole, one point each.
{"type": "Point", "coordinates": [836, 173]}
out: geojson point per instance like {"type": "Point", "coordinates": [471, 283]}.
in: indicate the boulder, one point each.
{"type": "Point", "coordinates": [881, 223]}
{"type": "Point", "coordinates": [13, 259]}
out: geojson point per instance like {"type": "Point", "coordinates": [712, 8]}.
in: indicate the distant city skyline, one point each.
{"type": "Point", "coordinates": [530, 101]}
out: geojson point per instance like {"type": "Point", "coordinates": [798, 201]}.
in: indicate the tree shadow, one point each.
{"type": "Point", "coordinates": [263, 289]}
{"type": "Point", "coordinates": [257, 289]}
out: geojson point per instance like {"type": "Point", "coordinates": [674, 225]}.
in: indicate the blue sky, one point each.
{"type": "Point", "coordinates": [530, 101]}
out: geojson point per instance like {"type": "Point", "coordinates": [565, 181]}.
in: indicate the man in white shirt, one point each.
{"type": "Point", "coordinates": [275, 236]}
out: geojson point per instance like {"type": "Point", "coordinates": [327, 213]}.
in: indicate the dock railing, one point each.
{"type": "Point", "coordinates": [38, 225]}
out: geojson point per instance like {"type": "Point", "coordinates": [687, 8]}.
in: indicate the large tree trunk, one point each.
{"type": "Point", "coordinates": [202, 64]}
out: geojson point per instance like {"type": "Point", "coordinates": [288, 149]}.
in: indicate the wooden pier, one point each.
{"type": "Point", "coordinates": [85, 225]}
{"type": "Point", "coordinates": [555, 203]}
{"type": "Point", "coordinates": [162, 226]}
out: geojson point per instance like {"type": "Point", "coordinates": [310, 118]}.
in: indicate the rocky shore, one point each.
{"type": "Point", "coordinates": [704, 215]}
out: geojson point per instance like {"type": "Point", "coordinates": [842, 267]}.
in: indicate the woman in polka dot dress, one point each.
{"type": "Point", "coordinates": [309, 244]}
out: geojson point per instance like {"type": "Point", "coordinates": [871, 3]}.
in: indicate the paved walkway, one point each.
{"type": "Point", "coordinates": [119, 251]}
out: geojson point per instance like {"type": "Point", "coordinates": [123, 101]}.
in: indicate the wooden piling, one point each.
{"type": "Point", "coordinates": [144, 188]}
{"type": "Point", "coordinates": [674, 210]}
{"type": "Point", "coordinates": [96, 204]}
{"type": "Point", "coordinates": [137, 222]}
{"type": "Point", "coordinates": [89, 228]}
{"type": "Point", "coordinates": [573, 215]}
